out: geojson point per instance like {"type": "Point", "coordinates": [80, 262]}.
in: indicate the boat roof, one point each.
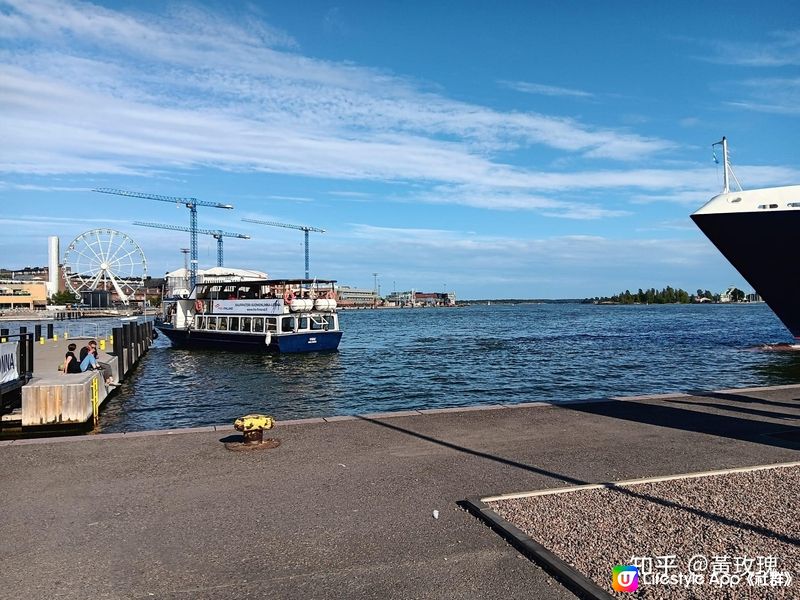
{"type": "Point", "coordinates": [266, 281]}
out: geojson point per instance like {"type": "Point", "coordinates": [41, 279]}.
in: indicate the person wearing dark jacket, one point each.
{"type": "Point", "coordinates": [71, 363]}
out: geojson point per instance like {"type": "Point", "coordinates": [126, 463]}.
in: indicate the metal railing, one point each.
{"type": "Point", "coordinates": [24, 361]}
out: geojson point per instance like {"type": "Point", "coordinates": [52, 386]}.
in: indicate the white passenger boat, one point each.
{"type": "Point", "coordinates": [279, 315]}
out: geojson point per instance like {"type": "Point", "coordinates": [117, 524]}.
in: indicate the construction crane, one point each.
{"type": "Point", "coordinates": [215, 233]}
{"type": "Point", "coordinates": [190, 203]}
{"type": "Point", "coordinates": [304, 228]}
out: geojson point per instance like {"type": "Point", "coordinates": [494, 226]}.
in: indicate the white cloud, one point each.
{"type": "Point", "coordinates": [783, 49]}
{"type": "Point", "coordinates": [777, 95]}
{"type": "Point", "coordinates": [518, 258]}
{"type": "Point", "coordinates": [89, 89]}
{"type": "Point", "coordinates": [545, 90]}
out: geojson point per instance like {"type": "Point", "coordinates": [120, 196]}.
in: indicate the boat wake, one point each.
{"type": "Point", "coordinates": [780, 347]}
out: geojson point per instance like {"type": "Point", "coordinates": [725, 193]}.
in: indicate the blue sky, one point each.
{"type": "Point", "coordinates": [521, 149]}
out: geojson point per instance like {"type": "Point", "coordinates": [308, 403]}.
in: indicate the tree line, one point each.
{"type": "Point", "coordinates": [668, 295]}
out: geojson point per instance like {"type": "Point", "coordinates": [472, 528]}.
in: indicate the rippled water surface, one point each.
{"type": "Point", "coordinates": [431, 358]}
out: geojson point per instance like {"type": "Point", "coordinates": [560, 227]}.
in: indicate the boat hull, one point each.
{"type": "Point", "coordinates": [316, 341]}
{"type": "Point", "coordinates": [758, 245]}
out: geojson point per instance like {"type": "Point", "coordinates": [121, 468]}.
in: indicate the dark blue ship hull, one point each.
{"type": "Point", "coordinates": [759, 246]}
{"type": "Point", "coordinates": [313, 341]}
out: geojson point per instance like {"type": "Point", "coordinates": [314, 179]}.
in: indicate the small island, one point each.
{"type": "Point", "coordinates": [670, 295]}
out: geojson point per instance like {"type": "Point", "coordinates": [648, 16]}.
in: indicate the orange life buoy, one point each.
{"type": "Point", "coordinates": [199, 306]}
{"type": "Point", "coordinates": [288, 296]}
{"type": "Point", "coordinates": [330, 295]}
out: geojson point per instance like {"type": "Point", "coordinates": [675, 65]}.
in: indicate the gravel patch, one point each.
{"type": "Point", "coordinates": [734, 522]}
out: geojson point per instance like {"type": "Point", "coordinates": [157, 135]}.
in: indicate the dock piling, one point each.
{"type": "Point", "coordinates": [126, 342]}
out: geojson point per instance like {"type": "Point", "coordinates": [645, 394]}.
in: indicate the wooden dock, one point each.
{"type": "Point", "coordinates": [52, 399]}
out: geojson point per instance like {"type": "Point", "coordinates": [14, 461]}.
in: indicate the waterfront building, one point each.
{"type": "Point", "coordinates": [28, 295]}
{"type": "Point", "coordinates": [434, 299]}
{"type": "Point", "coordinates": [350, 297]}
{"type": "Point", "coordinates": [732, 294]}
{"type": "Point", "coordinates": [414, 298]}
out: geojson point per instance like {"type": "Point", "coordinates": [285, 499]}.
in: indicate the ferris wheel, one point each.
{"type": "Point", "coordinates": [105, 259]}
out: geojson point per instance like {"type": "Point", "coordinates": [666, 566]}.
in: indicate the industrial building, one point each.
{"type": "Point", "coordinates": [350, 297]}
{"type": "Point", "coordinates": [413, 298]}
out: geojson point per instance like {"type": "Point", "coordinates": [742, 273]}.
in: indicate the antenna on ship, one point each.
{"type": "Point", "coordinates": [727, 170]}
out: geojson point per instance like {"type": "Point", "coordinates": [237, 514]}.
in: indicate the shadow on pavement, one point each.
{"type": "Point", "coordinates": [655, 414]}
{"type": "Point", "coordinates": [737, 428]}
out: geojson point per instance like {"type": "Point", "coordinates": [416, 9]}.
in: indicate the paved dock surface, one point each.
{"type": "Point", "coordinates": [344, 508]}
{"type": "Point", "coordinates": [49, 356]}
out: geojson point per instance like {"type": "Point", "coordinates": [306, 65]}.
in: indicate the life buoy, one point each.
{"type": "Point", "coordinates": [199, 306]}
{"type": "Point", "coordinates": [330, 295]}
{"type": "Point", "coordinates": [288, 296]}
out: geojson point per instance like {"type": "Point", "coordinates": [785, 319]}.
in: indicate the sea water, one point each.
{"type": "Point", "coordinates": [401, 359]}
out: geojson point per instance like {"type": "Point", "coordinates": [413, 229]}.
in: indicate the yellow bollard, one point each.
{"type": "Point", "coordinates": [102, 345]}
{"type": "Point", "coordinates": [111, 339]}
{"type": "Point", "coordinates": [41, 341]}
{"type": "Point", "coordinates": [66, 335]}
{"type": "Point", "coordinates": [2, 340]}
{"type": "Point", "coordinates": [55, 337]}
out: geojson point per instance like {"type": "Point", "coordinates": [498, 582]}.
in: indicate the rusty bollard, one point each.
{"type": "Point", "coordinates": [252, 428]}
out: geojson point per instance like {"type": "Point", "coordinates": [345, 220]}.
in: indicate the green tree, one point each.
{"type": "Point", "coordinates": [65, 297]}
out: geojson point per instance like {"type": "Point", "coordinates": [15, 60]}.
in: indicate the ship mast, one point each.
{"type": "Point", "coordinates": [725, 181]}
{"type": "Point", "coordinates": [727, 170]}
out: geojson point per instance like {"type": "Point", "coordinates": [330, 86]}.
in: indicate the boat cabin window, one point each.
{"type": "Point", "coordinates": [794, 204]}
{"type": "Point", "coordinates": [272, 324]}
{"type": "Point", "coordinates": [205, 292]}
{"type": "Point", "coordinates": [212, 323]}
{"type": "Point", "coordinates": [233, 291]}
{"type": "Point", "coordinates": [233, 323]}
{"type": "Point", "coordinates": [287, 324]}
{"type": "Point", "coordinates": [246, 324]}
{"type": "Point", "coordinates": [222, 323]}
{"type": "Point", "coordinates": [258, 324]}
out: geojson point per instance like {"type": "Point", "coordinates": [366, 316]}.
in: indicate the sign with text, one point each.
{"type": "Point", "coordinates": [248, 307]}
{"type": "Point", "coordinates": [9, 355]}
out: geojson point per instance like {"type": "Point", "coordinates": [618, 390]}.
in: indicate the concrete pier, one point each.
{"type": "Point", "coordinates": [52, 398]}
{"type": "Point", "coordinates": [343, 508]}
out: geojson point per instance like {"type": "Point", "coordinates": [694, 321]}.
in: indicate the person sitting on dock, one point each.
{"type": "Point", "coordinates": [89, 361]}
{"type": "Point", "coordinates": [89, 348]}
{"type": "Point", "coordinates": [71, 362]}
